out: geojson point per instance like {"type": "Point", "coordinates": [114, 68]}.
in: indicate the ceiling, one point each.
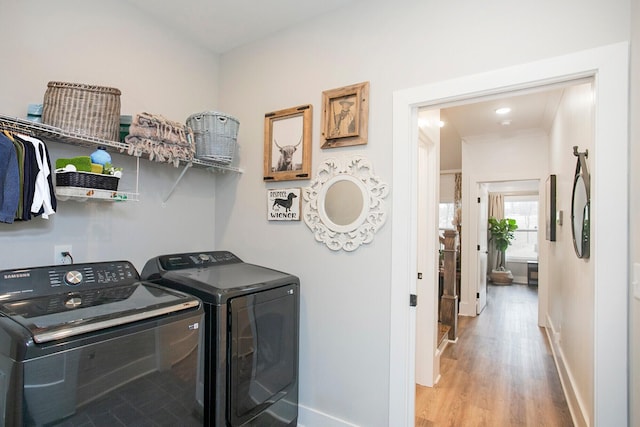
{"type": "Point", "coordinates": [529, 111]}
{"type": "Point", "coordinates": [222, 25]}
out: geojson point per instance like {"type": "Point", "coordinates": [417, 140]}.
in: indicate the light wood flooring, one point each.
{"type": "Point", "coordinates": [500, 372]}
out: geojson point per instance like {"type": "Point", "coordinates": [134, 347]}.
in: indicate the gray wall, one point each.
{"type": "Point", "coordinates": [345, 310]}
{"type": "Point", "coordinates": [158, 72]}
{"type": "Point", "coordinates": [634, 167]}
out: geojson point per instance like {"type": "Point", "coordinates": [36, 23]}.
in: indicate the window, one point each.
{"type": "Point", "coordinates": [524, 209]}
{"type": "Point", "coordinates": [447, 212]}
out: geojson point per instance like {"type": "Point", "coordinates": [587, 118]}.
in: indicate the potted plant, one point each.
{"type": "Point", "coordinates": [501, 234]}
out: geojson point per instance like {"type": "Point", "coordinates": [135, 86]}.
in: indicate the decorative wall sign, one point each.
{"type": "Point", "coordinates": [287, 144]}
{"type": "Point", "coordinates": [283, 204]}
{"type": "Point", "coordinates": [345, 115]}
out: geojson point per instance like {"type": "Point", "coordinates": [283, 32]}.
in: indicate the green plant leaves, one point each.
{"type": "Point", "coordinates": [501, 231]}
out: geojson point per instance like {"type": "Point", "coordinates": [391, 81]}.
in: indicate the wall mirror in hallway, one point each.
{"type": "Point", "coordinates": [580, 208]}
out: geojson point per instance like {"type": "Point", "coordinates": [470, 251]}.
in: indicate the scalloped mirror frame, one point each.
{"type": "Point", "coordinates": [348, 237]}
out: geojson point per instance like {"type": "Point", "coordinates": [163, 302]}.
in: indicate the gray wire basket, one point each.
{"type": "Point", "coordinates": [216, 136]}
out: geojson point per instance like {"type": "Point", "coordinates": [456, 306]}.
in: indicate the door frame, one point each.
{"type": "Point", "coordinates": [608, 66]}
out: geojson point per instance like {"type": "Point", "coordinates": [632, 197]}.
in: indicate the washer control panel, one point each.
{"type": "Point", "coordinates": [40, 281]}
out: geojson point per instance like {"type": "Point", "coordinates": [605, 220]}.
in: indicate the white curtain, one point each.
{"type": "Point", "coordinates": [496, 210]}
{"type": "Point", "coordinates": [496, 205]}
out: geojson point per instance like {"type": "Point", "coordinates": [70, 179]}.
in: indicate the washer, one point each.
{"type": "Point", "coordinates": [91, 344]}
{"type": "Point", "coordinates": [251, 335]}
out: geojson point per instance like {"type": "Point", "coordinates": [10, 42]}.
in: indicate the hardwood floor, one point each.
{"type": "Point", "coordinates": [500, 372]}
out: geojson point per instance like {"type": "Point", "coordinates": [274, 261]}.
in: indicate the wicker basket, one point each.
{"type": "Point", "coordinates": [215, 134]}
{"type": "Point", "coordinates": [87, 180]}
{"type": "Point", "coordinates": [83, 109]}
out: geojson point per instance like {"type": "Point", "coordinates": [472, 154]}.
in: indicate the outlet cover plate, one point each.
{"type": "Point", "coordinates": [58, 258]}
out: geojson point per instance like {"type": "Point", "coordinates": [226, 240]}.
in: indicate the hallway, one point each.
{"type": "Point", "coordinates": [500, 372]}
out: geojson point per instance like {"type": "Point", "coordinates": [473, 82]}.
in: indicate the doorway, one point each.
{"type": "Point", "coordinates": [610, 66]}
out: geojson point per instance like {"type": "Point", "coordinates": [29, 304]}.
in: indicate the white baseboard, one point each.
{"type": "Point", "coordinates": [576, 407]}
{"type": "Point", "coordinates": [521, 280]}
{"type": "Point", "coordinates": [308, 417]}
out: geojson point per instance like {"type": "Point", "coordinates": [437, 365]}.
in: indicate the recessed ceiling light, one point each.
{"type": "Point", "coordinates": [503, 110]}
{"type": "Point", "coordinates": [506, 122]}
{"type": "Point", "coordinates": [424, 123]}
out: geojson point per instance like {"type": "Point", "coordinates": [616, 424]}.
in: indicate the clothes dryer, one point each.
{"type": "Point", "coordinates": [251, 335]}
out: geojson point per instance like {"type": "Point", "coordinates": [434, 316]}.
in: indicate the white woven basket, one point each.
{"type": "Point", "coordinates": [216, 136]}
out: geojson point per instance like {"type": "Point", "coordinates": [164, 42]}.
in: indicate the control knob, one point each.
{"type": "Point", "coordinates": [74, 301]}
{"type": "Point", "coordinates": [203, 258]}
{"type": "Point", "coordinates": [73, 278]}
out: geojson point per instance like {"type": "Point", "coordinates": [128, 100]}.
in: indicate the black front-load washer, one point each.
{"type": "Point", "coordinates": [251, 335]}
{"type": "Point", "coordinates": [92, 344]}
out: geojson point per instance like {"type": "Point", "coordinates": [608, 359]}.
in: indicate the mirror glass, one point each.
{"type": "Point", "coordinates": [343, 202]}
{"type": "Point", "coordinates": [580, 217]}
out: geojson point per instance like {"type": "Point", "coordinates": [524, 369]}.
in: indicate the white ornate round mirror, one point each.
{"type": "Point", "coordinates": [345, 204]}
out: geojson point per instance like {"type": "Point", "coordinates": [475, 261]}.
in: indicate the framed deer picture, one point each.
{"type": "Point", "coordinates": [287, 144]}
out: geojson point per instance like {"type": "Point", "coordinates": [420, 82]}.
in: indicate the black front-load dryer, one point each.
{"type": "Point", "coordinates": [250, 339]}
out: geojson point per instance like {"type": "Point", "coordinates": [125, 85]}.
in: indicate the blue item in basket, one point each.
{"type": "Point", "coordinates": [100, 156]}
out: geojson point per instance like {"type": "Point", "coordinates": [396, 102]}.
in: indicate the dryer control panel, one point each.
{"type": "Point", "coordinates": [197, 259]}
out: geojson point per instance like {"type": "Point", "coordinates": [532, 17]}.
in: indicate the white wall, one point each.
{"type": "Point", "coordinates": [494, 158]}
{"type": "Point", "coordinates": [109, 44]}
{"type": "Point", "coordinates": [345, 311]}
{"type": "Point", "coordinates": [447, 187]}
{"type": "Point", "coordinates": [634, 167]}
{"type": "Point", "coordinates": [571, 280]}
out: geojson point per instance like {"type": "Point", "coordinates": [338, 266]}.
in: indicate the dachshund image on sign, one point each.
{"type": "Point", "coordinates": [285, 203]}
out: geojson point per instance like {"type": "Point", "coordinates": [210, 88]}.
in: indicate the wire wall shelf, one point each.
{"type": "Point", "coordinates": [52, 133]}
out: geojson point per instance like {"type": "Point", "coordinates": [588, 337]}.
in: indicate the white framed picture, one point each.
{"type": "Point", "coordinates": [283, 204]}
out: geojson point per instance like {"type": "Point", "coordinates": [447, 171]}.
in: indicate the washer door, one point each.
{"type": "Point", "coordinates": [147, 377]}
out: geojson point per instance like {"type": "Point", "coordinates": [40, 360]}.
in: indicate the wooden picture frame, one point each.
{"type": "Point", "coordinates": [345, 116]}
{"type": "Point", "coordinates": [287, 144]}
{"type": "Point", "coordinates": [550, 208]}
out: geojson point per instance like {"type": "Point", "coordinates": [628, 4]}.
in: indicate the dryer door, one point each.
{"type": "Point", "coordinates": [263, 364]}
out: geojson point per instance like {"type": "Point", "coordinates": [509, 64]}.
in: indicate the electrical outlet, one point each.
{"type": "Point", "coordinates": [58, 257]}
